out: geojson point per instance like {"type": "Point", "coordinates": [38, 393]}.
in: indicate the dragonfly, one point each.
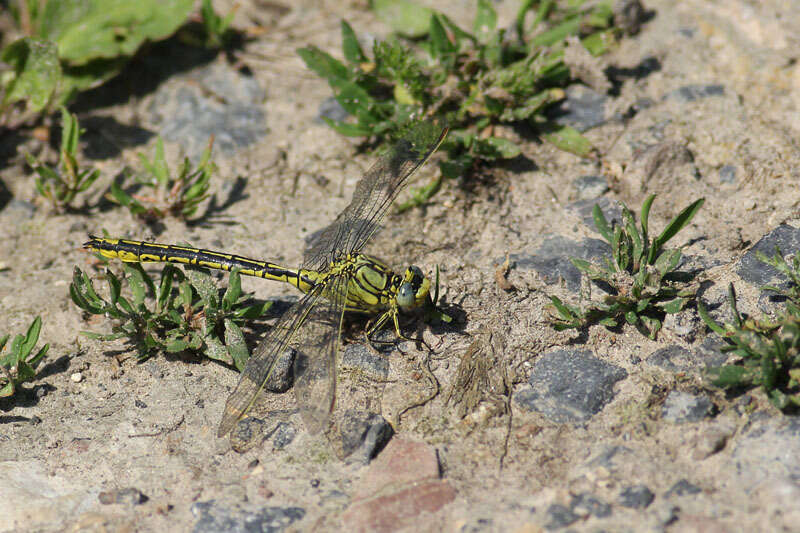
{"type": "Point", "coordinates": [335, 276]}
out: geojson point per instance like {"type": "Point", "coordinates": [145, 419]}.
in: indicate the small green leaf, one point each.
{"type": "Point", "coordinates": [136, 281]}
{"type": "Point", "coordinates": [7, 390]}
{"type": "Point", "coordinates": [667, 261]}
{"type": "Point", "coordinates": [251, 312]}
{"type": "Point", "coordinates": [119, 196]}
{"type": "Point", "coordinates": [350, 45]}
{"type": "Point", "coordinates": [34, 361]}
{"type": "Point", "coordinates": [204, 285]}
{"type": "Point", "coordinates": [485, 21]}
{"type": "Point", "coordinates": [126, 306]}
{"type": "Point", "coordinates": [31, 338]}
{"type": "Point", "coordinates": [676, 224]}
{"type": "Point", "coordinates": [601, 223]}
{"type": "Point", "coordinates": [237, 348]}
{"type": "Point", "coordinates": [403, 16]}
{"type": "Point", "coordinates": [650, 326]}
{"type": "Point", "coordinates": [600, 42]}
{"type": "Point", "coordinates": [233, 291]}
{"type": "Point", "coordinates": [176, 345]}
{"type": "Point", "coordinates": [216, 350]}
{"type": "Point", "coordinates": [348, 129]}
{"type": "Point", "coordinates": [557, 33]}
{"type": "Point", "coordinates": [35, 73]}
{"type": "Point", "coordinates": [440, 43]}
{"type": "Point", "coordinates": [499, 148]}
{"type": "Point", "coordinates": [70, 132]}
{"type": "Point", "coordinates": [323, 64]}
{"type": "Point", "coordinates": [673, 306]}
{"type": "Point", "coordinates": [728, 376]}
{"type": "Point", "coordinates": [568, 139]}
{"type": "Point", "coordinates": [114, 288]}
{"type": "Point", "coordinates": [85, 31]}
{"type": "Point", "coordinates": [609, 322]}
{"type": "Point", "coordinates": [706, 318]}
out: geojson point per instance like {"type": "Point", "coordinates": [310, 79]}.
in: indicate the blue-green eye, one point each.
{"type": "Point", "coordinates": [405, 295]}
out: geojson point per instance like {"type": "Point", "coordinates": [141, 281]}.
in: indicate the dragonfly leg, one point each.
{"type": "Point", "coordinates": [373, 328]}
{"type": "Point", "coordinates": [411, 339]}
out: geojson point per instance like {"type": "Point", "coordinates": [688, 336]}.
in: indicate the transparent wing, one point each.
{"type": "Point", "coordinates": [373, 195]}
{"type": "Point", "coordinates": [262, 361]}
{"type": "Point", "coordinates": [315, 359]}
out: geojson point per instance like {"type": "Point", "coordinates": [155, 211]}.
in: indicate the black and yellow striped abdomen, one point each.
{"type": "Point", "coordinates": [151, 252]}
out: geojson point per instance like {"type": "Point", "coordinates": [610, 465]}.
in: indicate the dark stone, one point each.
{"type": "Point", "coordinates": [673, 358]}
{"type": "Point", "coordinates": [590, 187]}
{"type": "Point", "coordinates": [612, 457]}
{"type": "Point", "coordinates": [690, 93]}
{"type": "Point", "coordinates": [586, 504]}
{"type": "Point", "coordinates": [477, 525]}
{"type": "Point", "coordinates": [727, 174]}
{"type": "Point", "coordinates": [364, 435]}
{"type": "Point", "coordinates": [247, 433]}
{"type": "Point", "coordinates": [359, 356]}
{"type": "Point", "coordinates": [213, 518]}
{"type": "Point", "coordinates": [709, 352]}
{"type": "Point", "coordinates": [767, 450]}
{"type": "Point", "coordinates": [332, 109]}
{"type": "Point", "coordinates": [682, 407]}
{"type": "Point", "coordinates": [126, 496]}
{"type": "Point", "coordinates": [636, 497]}
{"type": "Point", "coordinates": [20, 209]}
{"type": "Point", "coordinates": [611, 209]}
{"type": "Point", "coordinates": [284, 434]}
{"type": "Point", "coordinates": [686, 324]}
{"type": "Point", "coordinates": [139, 403]}
{"type": "Point", "coordinates": [629, 15]}
{"type": "Point", "coordinates": [570, 385]}
{"type": "Point", "coordinates": [683, 488]}
{"type": "Point", "coordinates": [583, 108]}
{"type": "Point", "coordinates": [750, 269]}
{"type": "Point", "coordinates": [216, 100]}
{"type": "Point", "coordinates": [282, 376]}
{"type": "Point", "coordinates": [559, 516]}
{"type": "Point", "coordinates": [551, 259]}
{"type": "Point", "coordinates": [771, 302]}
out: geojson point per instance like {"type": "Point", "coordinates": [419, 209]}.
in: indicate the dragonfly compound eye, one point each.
{"type": "Point", "coordinates": [405, 295]}
{"type": "Point", "coordinates": [413, 292]}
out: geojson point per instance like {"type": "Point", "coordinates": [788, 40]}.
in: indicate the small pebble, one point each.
{"type": "Point", "coordinates": [77, 377]}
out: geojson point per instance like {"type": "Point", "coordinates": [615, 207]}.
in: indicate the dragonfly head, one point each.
{"type": "Point", "coordinates": [415, 289]}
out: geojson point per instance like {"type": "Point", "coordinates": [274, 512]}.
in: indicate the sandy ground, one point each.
{"type": "Point", "coordinates": [717, 118]}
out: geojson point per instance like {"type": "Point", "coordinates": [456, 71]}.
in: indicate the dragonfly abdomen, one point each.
{"type": "Point", "coordinates": [151, 252]}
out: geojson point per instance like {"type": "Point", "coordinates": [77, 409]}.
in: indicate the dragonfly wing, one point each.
{"type": "Point", "coordinates": [315, 359]}
{"type": "Point", "coordinates": [262, 361]}
{"type": "Point", "coordinates": [373, 195]}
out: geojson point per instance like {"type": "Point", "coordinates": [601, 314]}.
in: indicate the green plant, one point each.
{"type": "Point", "coordinates": [18, 365]}
{"type": "Point", "coordinates": [73, 45]}
{"type": "Point", "coordinates": [62, 184]}
{"type": "Point", "coordinates": [178, 197]}
{"type": "Point", "coordinates": [217, 29]}
{"type": "Point", "coordinates": [768, 351]}
{"type": "Point", "coordinates": [471, 80]}
{"type": "Point", "coordinates": [192, 316]}
{"type": "Point", "coordinates": [640, 271]}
